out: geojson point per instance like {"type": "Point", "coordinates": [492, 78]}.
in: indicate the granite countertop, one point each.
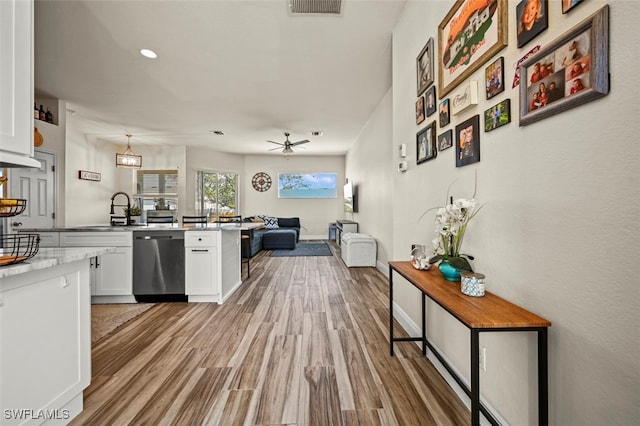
{"type": "Point", "coordinates": [49, 257]}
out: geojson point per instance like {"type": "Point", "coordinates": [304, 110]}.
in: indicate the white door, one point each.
{"type": "Point", "coordinates": [37, 186]}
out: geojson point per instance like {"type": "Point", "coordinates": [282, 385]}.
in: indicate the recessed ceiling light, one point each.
{"type": "Point", "coordinates": [148, 53]}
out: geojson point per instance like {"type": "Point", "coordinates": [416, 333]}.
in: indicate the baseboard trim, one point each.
{"type": "Point", "coordinates": [112, 299]}
{"type": "Point", "coordinates": [413, 329]}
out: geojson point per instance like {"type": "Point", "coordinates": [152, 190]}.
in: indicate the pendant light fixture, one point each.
{"type": "Point", "coordinates": [128, 159]}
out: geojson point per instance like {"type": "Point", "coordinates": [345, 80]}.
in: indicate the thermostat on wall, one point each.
{"type": "Point", "coordinates": [402, 166]}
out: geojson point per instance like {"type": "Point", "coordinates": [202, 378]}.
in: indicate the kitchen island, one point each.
{"type": "Point", "coordinates": [45, 335]}
{"type": "Point", "coordinates": [211, 256]}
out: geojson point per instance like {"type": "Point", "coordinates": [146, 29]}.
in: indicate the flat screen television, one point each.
{"type": "Point", "coordinates": [350, 198]}
{"type": "Point", "coordinates": [307, 185]}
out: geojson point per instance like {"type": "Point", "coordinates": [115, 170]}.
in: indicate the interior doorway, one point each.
{"type": "Point", "coordinates": [37, 186]}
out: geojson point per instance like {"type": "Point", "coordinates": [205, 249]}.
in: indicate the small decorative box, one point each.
{"type": "Point", "coordinates": [472, 284]}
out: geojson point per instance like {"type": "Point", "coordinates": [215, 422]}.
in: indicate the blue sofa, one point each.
{"type": "Point", "coordinates": [284, 223]}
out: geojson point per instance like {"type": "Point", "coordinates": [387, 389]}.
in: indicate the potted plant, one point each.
{"type": "Point", "coordinates": [134, 212]}
{"type": "Point", "coordinates": [161, 204]}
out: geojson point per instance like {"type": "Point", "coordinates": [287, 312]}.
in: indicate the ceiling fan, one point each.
{"type": "Point", "coordinates": [286, 146]}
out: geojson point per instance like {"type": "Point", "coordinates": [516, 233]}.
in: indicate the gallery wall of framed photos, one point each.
{"type": "Point", "coordinates": [543, 152]}
{"type": "Point", "coordinates": [464, 75]}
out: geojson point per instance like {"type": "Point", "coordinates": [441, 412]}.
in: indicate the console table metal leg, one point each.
{"type": "Point", "coordinates": [475, 377]}
{"type": "Point", "coordinates": [543, 378]}
{"type": "Point", "coordinates": [424, 325]}
{"type": "Point", "coordinates": [390, 311]}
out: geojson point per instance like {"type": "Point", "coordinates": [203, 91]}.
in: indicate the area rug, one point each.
{"type": "Point", "coordinates": [305, 248]}
{"type": "Point", "coordinates": [108, 317]}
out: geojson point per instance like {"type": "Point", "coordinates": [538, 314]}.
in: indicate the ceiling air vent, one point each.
{"type": "Point", "coordinates": [315, 7]}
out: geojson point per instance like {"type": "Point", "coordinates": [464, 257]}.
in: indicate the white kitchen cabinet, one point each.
{"type": "Point", "coordinates": [112, 273]}
{"type": "Point", "coordinates": [48, 239]}
{"type": "Point", "coordinates": [16, 84]}
{"type": "Point", "coordinates": [202, 282]}
{"type": "Point", "coordinates": [212, 265]}
{"type": "Point", "coordinates": [45, 343]}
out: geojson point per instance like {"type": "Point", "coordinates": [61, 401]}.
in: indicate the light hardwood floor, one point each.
{"type": "Point", "coordinates": [303, 342]}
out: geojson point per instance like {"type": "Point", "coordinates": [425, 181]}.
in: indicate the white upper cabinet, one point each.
{"type": "Point", "coordinates": [16, 84]}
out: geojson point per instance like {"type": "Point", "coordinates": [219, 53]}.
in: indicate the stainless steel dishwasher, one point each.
{"type": "Point", "coordinates": [158, 265]}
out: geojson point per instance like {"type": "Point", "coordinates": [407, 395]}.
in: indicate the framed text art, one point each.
{"type": "Point", "coordinates": [87, 175]}
{"type": "Point", "coordinates": [424, 67]}
{"type": "Point", "coordinates": [465, 96]}
{"type": "Point", "coordinates": [571, 71]}
{"type": "Point", "coordinates": [426, 143]}
{"type": "Point", "coordinates": [472, 32]}
{"type": "Point", "coordinates": [468, 141]}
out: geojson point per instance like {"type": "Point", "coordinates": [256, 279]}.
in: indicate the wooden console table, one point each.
{"type": "Point", "coordinates": [479, 314]}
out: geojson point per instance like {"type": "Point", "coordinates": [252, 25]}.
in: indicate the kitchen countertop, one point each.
{"type": "Point", "coordinates": [153, 227]}
{"type": "Point", "coordinates": [49, 257]}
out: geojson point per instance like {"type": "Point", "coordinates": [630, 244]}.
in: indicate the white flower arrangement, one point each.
{"type": "Point", "coordinates": [451, 224]}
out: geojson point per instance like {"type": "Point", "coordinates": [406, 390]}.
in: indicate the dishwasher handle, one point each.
{"type": "Point", "coordinates": [157, 237]}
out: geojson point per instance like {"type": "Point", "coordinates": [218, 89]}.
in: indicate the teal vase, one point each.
{"type": "Point", "coordinates": [449, 272]}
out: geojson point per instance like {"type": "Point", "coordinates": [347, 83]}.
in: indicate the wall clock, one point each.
{"type": "Point", "coordinates": [261, 182]}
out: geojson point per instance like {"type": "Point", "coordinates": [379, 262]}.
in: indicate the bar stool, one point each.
{"type": "Point", "coordinates": [194, 220]}
{"type": "Point", "coordinates": [245, 242]}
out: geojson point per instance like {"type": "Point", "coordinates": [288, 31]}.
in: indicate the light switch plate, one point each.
{"type": "Point", "coordinates": [402, 150]}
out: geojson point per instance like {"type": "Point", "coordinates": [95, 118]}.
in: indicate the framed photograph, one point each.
{"type": "Point", "coordinates": [430, 102]}
{"type": "Point", "coordinates": [420, 110]}
{"type": "Point", "coordinates": [567, 5]}
{"type": "Point", "coordinates": [471, 33]}
{"type": "Point", "coordinates": [494, 78]}
{"type": "Point", "coordinates": [532, 20]}
{"type": "Point", "coordinates": [445, 140]}
{"type": "Point", "coordinates": [468, 141]}
{"type": "Point", "coordinates": [444, 113]}
{"type": "Point", "coordinates": [497, 116]}
{"type": "Point", "coordinates": [426, 143]}
{"type": "Point", "coordinates": [424, 67]}
{"type": "Point", "coordinates": [571, 71]}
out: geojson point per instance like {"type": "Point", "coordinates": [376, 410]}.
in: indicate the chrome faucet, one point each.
{"type": "Point", "coordinates": [128, 211]}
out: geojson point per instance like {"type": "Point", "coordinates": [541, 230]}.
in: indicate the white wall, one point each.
{"type": "Point", "coordinates": [86, 202]}
{"type": "Point", "coordinates": [368, 165]}
{"type": "Point", "coordinates": [557, 234]}
{"type": "Point", "coordinates": [315, 214]}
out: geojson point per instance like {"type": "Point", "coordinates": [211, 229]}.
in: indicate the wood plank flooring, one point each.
{"type": "Point", "coordinates": [304, 341]}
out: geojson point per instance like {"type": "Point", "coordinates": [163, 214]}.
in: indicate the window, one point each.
{"type": "Point", "coordinates": [217, 195]}
{"type": "Point", "coordinates": [157, 189]}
